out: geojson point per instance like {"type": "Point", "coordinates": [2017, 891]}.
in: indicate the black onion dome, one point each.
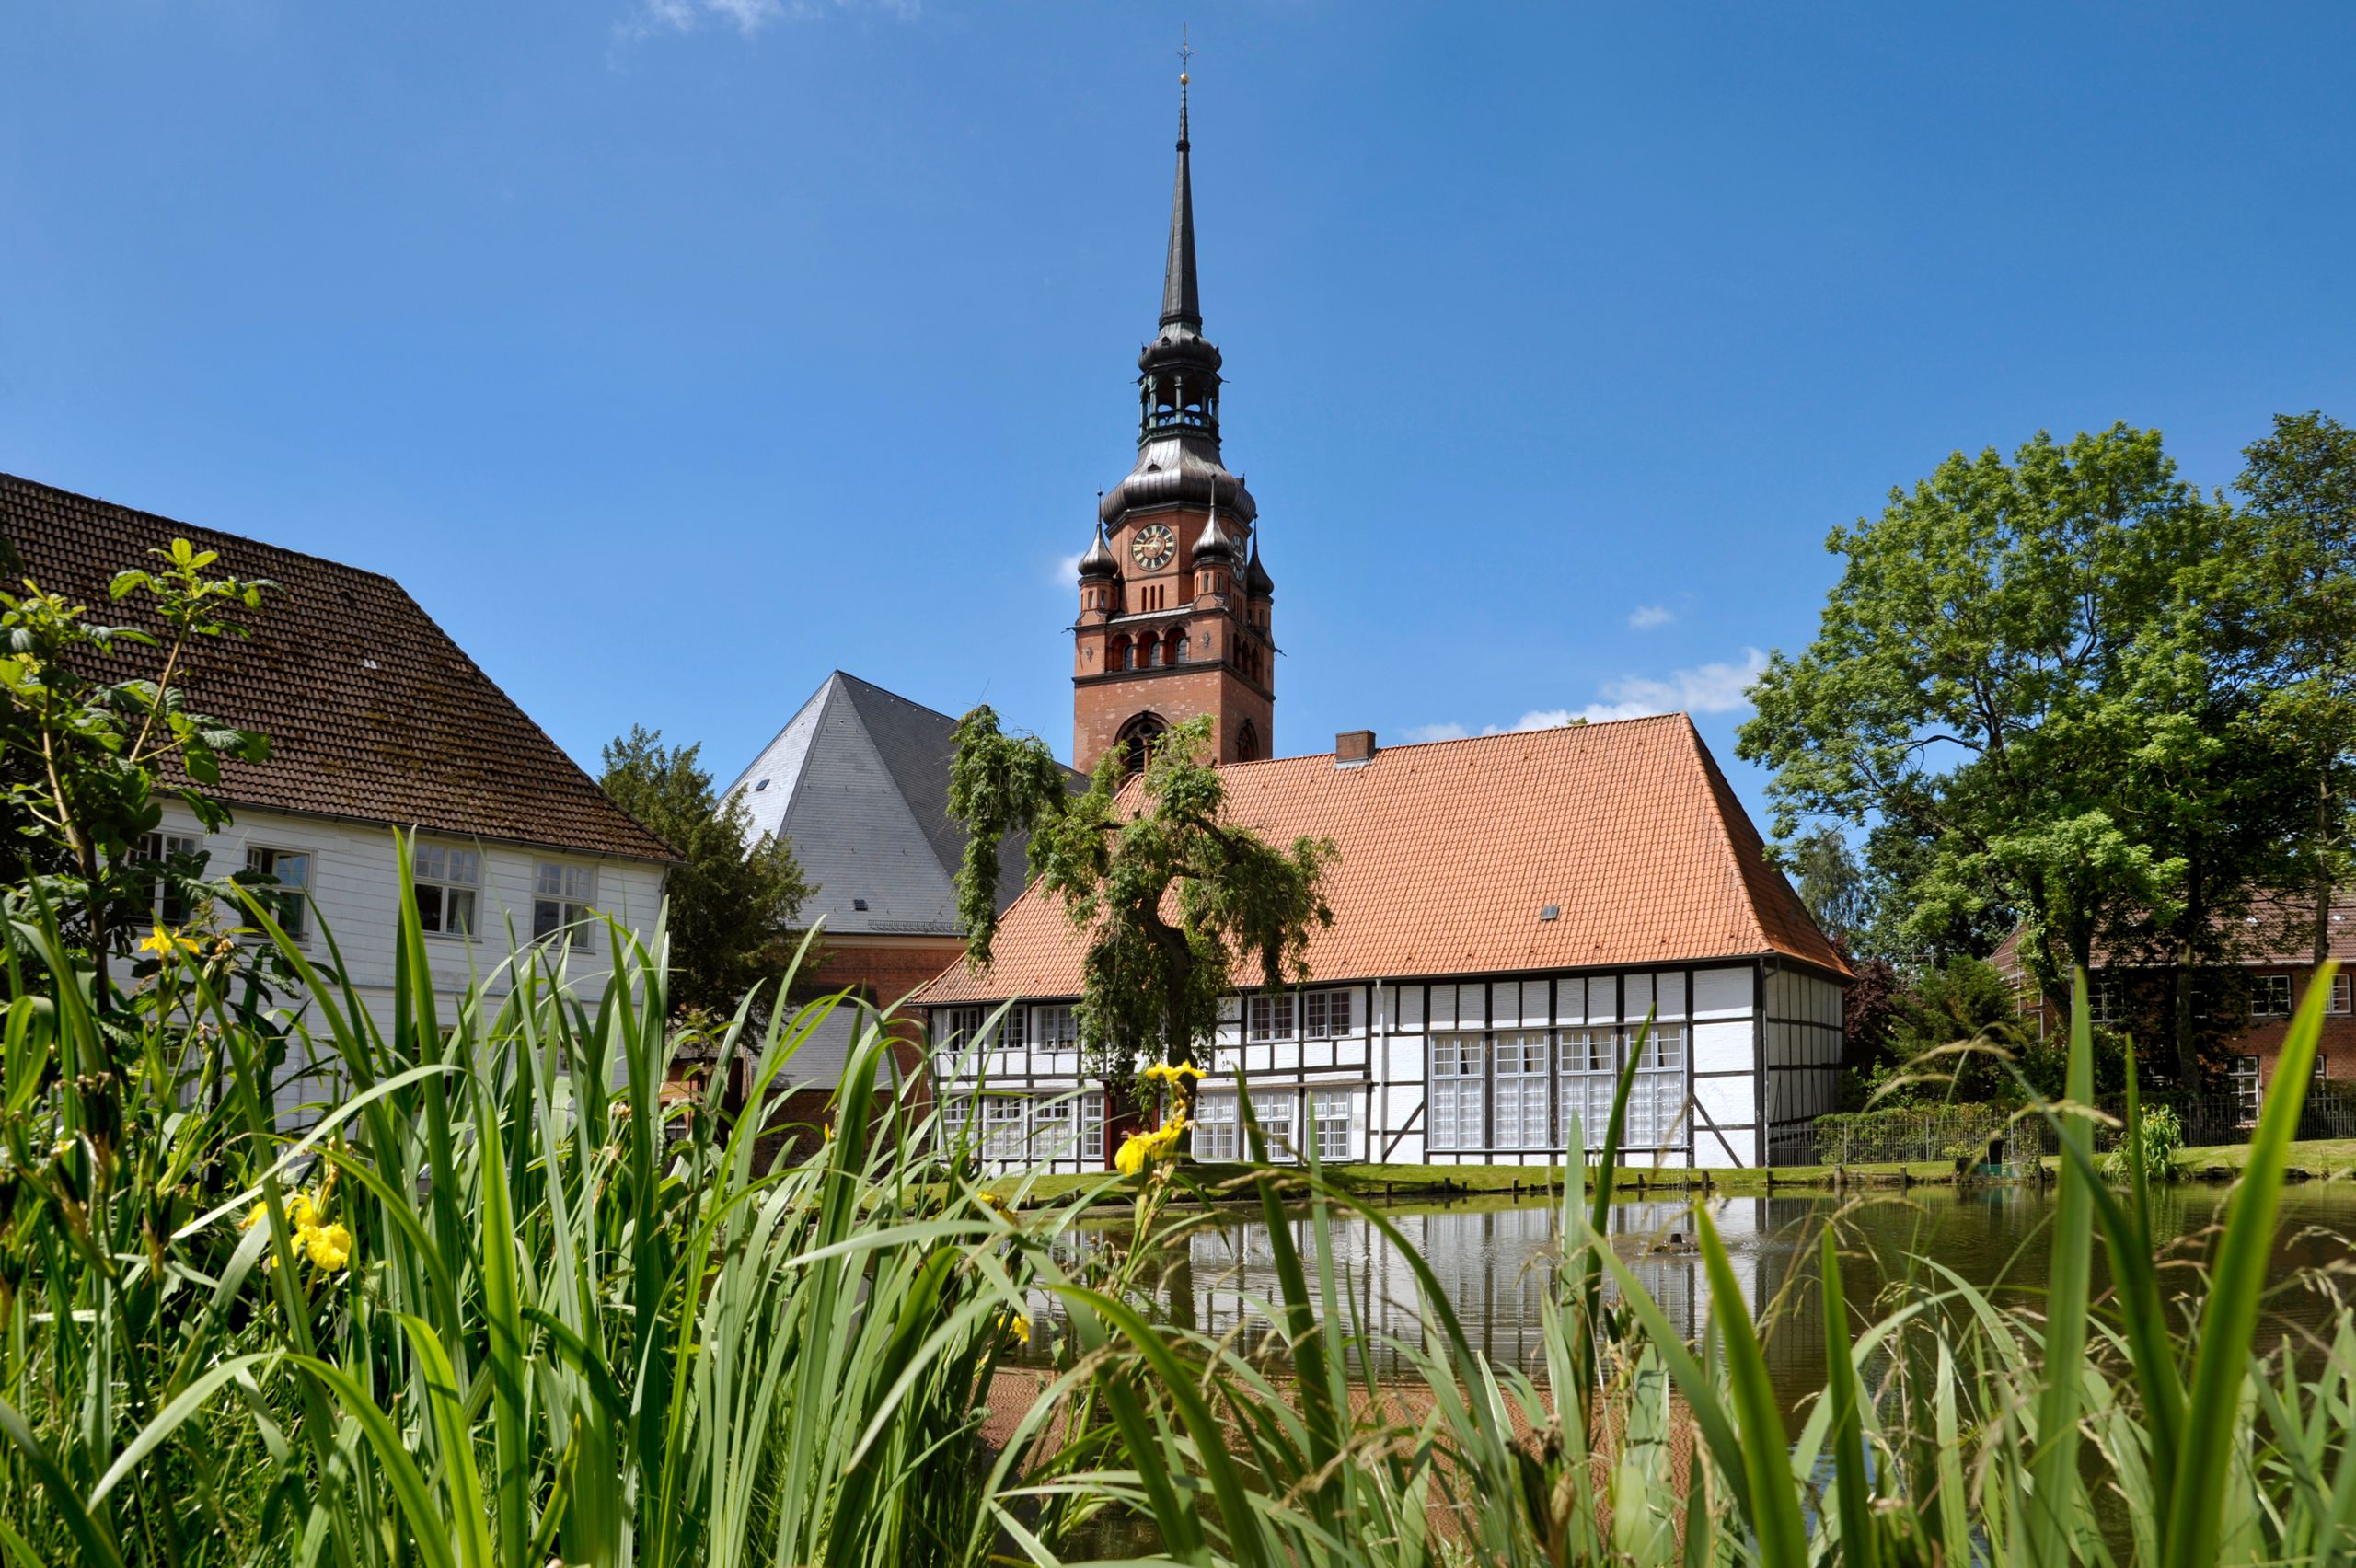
{"type": "Point", "coordinates": [1176, 467]}
{"type": "Point", "coordinates": [1098, 561]}
{"type": "Point", "coordinates": [1180, 345]}
{"type": "Point", "coordinates": [1256, 581]}
{"type": "Point", "coordinates": [1212, 544]}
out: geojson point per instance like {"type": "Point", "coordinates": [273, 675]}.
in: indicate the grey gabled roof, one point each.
{"type": "Point", "coordinates": [858, 781]}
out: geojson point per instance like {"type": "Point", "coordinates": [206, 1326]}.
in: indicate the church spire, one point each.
{"type": "Point", "coordinates": [1180, 304]}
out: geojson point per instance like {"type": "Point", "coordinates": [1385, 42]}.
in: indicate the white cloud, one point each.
{"type": "Point", "coordinates": [1068, 569]}
{"type": "Point", "coordinates": [1644, 618]}
{"type": "Point", "coordinates": [748, 17]}
{"type": "Point", "coordinates": [1716, 688]}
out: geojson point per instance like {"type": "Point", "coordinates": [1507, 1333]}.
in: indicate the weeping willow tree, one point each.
{"type": "Point", "coordinates": [1177, 899]}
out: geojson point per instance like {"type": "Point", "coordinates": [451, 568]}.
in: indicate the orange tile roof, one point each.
{"type": "Point", "coordinates": [1449, 850]}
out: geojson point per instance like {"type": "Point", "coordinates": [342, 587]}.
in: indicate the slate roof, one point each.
{"type": "Point", "coordinates": [1450, 850]}
{"type": "Point", "coordinates": [859, 782]}
{"type": "Point", "coordinates": [373, 714]}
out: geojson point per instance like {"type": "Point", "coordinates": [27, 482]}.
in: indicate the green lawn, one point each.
{"type": "Point", "coordinates": [2319, 1157]}
{"type": "Point", "coordinates": [1423, 1181]}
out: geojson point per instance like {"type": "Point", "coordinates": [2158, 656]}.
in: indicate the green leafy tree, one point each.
{"type": "Point", "coordinates": [1175, 898]}
{"type": "Point", "coordinates": [2300, 484]}
{"type": "Point", "coordinates": [2029, 685]}
{"type": "Point", "coordinates": [86, 761]}
{"type": "Point", "coordinates": [733, 903]}
{"type": "Point", "coordinates": [1826, 874]}
{"type": "Point", "coordinates": [1963, 1002]}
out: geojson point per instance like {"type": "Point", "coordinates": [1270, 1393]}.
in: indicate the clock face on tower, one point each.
{"type": "Point", "coordinates": [1153, 547]}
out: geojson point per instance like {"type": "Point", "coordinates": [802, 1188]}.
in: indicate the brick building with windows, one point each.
{"type": "Point", "coordinates": [1509, 912]}
{"type": "Point", "coordinates": [2244, 1008]}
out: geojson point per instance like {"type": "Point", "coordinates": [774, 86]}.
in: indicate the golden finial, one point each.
{"type": "Point", "coordinates": [1184, 54]}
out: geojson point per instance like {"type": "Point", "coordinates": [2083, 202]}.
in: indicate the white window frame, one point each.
{"type": "Point", "coordinates": [1270, 1015]}
{"type": "Point", "coordinates": [2338, 1001]}
{"type": "Point", "coordinates": [566, 905]}
{"type": "Point", "coordinates": [290, 902]}
{"type": "Point", "coordinates": [1092, 1130]}
{"type": "Point", "coordinates": [1278, 1112]}
{"type": "Point", "coordinates": [1219, 1127]}
{"type": "Point", "coordinates": [1456, 1091]}
{"type": "Point", "coordinates": [2262, 989]}
{"type": "Point", "coordinates": [1052, 1122]}
{"type": "Point", "coordinates": [960, 1028]}
{"type": "Point", "coordinates": [1320, 1011]}
{"type": "Point", "coordinates": [1003, 1136]}
{"type": "Point", "coordinates": [1656, 1097]}
{"type": "Point", "coordinates": [454, 874]}
{"type": "Point", "coordinates": [1586, 1060]}
{"type": "Point", "coordinates": [2102, 1002]}
{"type": "Point", "coordinates": [1521, 1065]}
{"type": "Point", "coordinates": [1333, 1122]}
{"type": "Point", "coordinates": [158, 847]}
{"type": "Point", "coordinates": [1054, 1028]}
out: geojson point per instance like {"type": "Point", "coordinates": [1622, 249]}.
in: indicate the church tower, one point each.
{"type": "Point", "coordinates": [1174, 605]}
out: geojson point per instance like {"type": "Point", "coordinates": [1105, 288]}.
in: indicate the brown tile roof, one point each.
{"type": "Point", "coordinates": [1449, 850]}
{"type": "Point", "coordinates": [372, 713]}
{"type": "Point", "coordinates": [2277, 932]}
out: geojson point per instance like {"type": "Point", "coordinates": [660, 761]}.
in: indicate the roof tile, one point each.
{"type": "Point", "coordinates": [1449, 850]}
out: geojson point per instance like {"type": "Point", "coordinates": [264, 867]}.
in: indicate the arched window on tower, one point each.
{"type": "Point", "coordinates": [1138, 739]}
{"type": "Point", "coordinates": [1148, 646]}
{"type": "Point", "coordinates": [1120, 657]}
{"type": "Point", "coordinates": [1174, 648]}
{"type": "Point", "coordinates": [1247, 742]}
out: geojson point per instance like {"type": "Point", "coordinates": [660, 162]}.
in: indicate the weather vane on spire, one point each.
{"type": "Point", "coordinates": [1186, 53]}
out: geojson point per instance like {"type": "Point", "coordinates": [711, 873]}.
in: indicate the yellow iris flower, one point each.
{"type": "Point", "coordinates": [329, 1247]}
{"type": "Point", "coordinates": [1018, 1325]}
{"type": "Point", "coordinates": [164, 944]}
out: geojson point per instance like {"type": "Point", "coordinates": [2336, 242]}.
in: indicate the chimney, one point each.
{"type": "Point", "coordinates": [1354, 748]}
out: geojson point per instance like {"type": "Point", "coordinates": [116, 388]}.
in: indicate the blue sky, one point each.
{"type": "Point", "coordinates": [674, 352]}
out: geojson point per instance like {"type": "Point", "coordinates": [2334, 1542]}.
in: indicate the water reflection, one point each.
{"type": "Point", "coordinates": [1492, 1260]}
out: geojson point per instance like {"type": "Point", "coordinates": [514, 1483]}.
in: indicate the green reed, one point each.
{"type": "Point", "coordinates": [582, 1319]}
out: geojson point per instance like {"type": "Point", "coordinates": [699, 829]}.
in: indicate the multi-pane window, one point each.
{"type": "Point", "coordinates": [289, 902]}
{"type": "Point", "coordinates": [1335, 1111]}
{"type": "Point", "coordinates": [171, 907]}
{"type": "Point", "coordinates": [1051, 1129]}
{"type": "Point", "coordinates": [1002, 1127]}
{"type": "Point", "coordinates": [1216, 1127]}
{"type": "Point", "coordinates": [1656, 1097]}
{"type": "Point", "coordinates": [2102, 1002]}
{"type": "Point", "coordinates": [561, 895]}
{"type": "Point", "coordinates": [2340, 997]}
{"type": "Point", "coordinates": [960, 1026]}
{"type": "Point", "coordinates": [448, 883]}
{"type": "Point", "coordinates": [2269, 996]}
{"type": "Point", "coordinates": [1274, 1111]}
{"type": "Point", "coordinates": [1456, 1119]}
{"type": "Point", "coordinates": [1591, 1078]}
{"type": "Point", "coordinates": [1326, 1015]}
{"type": "Point", "coordinates": [1054, 1028]}
{"type": "Point", "coordinates": [1092, 1130]}
{"type": "Point", "coordinates": [1268, 1016]}
{"type": "Point", "coordinates": [1520, 1103]}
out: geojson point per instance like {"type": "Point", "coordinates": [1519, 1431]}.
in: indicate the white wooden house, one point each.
{"type": "Point", "coordinates": [1514, 916]}
{"type": "Point", "coordinates": [377, 721]}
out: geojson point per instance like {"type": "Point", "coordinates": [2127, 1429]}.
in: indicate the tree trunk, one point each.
{"type": "Point", "coordinates": [2323, 862]}
{"type": "Point", "coordinates": [2189, 923]}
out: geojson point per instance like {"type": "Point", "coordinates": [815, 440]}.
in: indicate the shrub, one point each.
{"type": "Point", "coordinates": [2161, 1135]}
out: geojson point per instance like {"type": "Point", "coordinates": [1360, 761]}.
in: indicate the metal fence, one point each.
{"type": "Point", "coordinates": [1985, 1132]}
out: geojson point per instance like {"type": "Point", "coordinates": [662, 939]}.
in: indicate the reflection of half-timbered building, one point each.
{"type": "Point", "coordinates": [1515, 915]}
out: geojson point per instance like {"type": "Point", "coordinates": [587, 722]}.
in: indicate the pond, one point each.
{"type": "Point", "coordinates": [1491, 1258]}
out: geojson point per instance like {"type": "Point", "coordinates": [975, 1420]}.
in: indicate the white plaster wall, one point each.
{"type": "Point", "coordinates": [355, 897]}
